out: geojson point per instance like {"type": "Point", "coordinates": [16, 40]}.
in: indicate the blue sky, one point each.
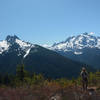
{"type": "Point", "coordinates": [48, 21]}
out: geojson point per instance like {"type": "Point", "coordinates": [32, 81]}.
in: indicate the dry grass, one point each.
{"type": "Point", "coordinates": [48, 91]}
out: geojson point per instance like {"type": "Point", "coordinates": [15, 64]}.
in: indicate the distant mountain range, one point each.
{"type": "Point", "coordinates": [83, 48]}
{"type": "Point", "coordinates": [14, 51]}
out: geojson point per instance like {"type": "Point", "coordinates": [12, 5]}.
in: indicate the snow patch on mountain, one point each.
{"type": "Point", "coordinates": [27, 52]}
{"type": "Point", "coordinates": [46, 45]}
{"type": "Point", "coordinates": [78, 53]}
{"type": "Point", "coordinates": [25, 46]}
{"type": "Point", "coordinates": [3, 46]}
{"type": "Point", "coordinates": [61, 46]}
{"type": "Point", "coordinates": [98, 43]}
{"type": "Point", "coordinates": [22, 44]}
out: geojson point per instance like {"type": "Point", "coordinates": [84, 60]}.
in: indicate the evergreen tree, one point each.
{"type": "Point", "coordinates": [1, 79]}
{"type": "Point", "coordinates": [6, 79]}
{"type": "Point", "coordinates": [37, 79]}
{"type": "Point", "coordinates": [20, 72]}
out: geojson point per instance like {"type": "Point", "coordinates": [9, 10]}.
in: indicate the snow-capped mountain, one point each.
{"type": "Point", "coordinates": [84, 48]}
{"type": "Point", "coordinates": [77, 43]}
{"type": "Point", "coordinates": [7, 44]}
{"type": "Point", "coordinates": [14, 51]}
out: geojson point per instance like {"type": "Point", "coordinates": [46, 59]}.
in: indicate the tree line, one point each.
{"type": "Point", "coordinates": [24, 78]}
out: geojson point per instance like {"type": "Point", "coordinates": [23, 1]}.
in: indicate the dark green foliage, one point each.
{"type": "Point", "coordinates": [23, 78]}
{"type": "Point", "coordinates": [21, 73]}
{"type": "Point", "coordinates": [6, 79]}
{"type": "Point", "coordinates": [37, 79]}
{"type": "Point", "coordinates": [1, 79]}
{"type": "Point", "coordinates": [94, 78]}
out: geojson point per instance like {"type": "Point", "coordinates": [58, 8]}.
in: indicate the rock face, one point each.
{"type": "Point", "coordinates": [83, 48]}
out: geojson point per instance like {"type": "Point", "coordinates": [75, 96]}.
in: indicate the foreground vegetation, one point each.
{"type": "Point", "coordinates": [24, 86]}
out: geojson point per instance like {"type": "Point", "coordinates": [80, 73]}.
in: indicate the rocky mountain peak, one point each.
{"type": "Point", "coordinates": [77, 43]}
{"type": "Point", "coordinates": [11, 39]}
